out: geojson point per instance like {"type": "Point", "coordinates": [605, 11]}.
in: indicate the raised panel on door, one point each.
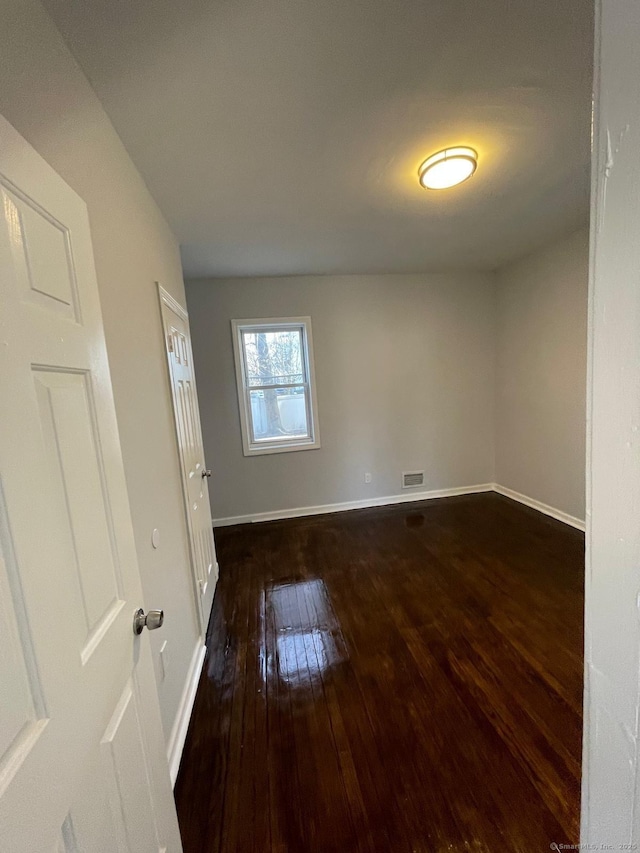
{"type": "Point", "coordinates": [23, 714]}
{"type": "Point", "coordinates": [125, 766]}
{"type": "Point", "coordinates": [69, 430]}
{"type": "Point", "coordinates": [43, 261]}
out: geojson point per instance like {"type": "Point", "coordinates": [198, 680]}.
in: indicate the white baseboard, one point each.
{"type": "Point", "coordinates": [181, 724]}
{"type": "Point", "coordinates": [299, 512]}
{"type": "Point", "coordinates": [389, 500]}
{"type": "Point", "coordinates": [541, 507]}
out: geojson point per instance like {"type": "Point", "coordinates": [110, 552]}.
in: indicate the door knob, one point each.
{"type": "Point", "coordinates": [206, 473]}
{"type": "Point", "coordinates": [152, 620]}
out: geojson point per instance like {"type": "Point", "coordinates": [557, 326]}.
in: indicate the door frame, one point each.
{"type": "Point", "coordinates": [610, 815]}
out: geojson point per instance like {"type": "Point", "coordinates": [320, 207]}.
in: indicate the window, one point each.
{"type": "Point", "coordinates": [276, 385]}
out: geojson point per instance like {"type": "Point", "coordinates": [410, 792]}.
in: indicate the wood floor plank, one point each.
{"type": "Point", "coordinates": [399, 679]}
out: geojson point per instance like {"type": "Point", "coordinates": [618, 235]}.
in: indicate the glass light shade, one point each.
{"type": "Point", "coordinates": [447, 168]}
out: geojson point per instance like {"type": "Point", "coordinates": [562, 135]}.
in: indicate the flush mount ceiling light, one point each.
{"type": "Point", "coordinates": [447, 168]}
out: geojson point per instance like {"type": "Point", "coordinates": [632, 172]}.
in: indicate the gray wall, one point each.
{"type": "Point", "coordinates": [409, 369]}
{"type": "Point", "coordinates": [49, 101]}
{"type": "Point", "coordinates": [541, 341]}
{"type": "Point", "coordinates": [405, 378]}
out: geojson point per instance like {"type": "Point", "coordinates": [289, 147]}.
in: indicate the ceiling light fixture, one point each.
{"type": "Point", "coordinates": [447, 168]}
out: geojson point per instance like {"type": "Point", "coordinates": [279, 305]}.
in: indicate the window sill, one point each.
{"type": "Point", "coordinates": [280, 448]}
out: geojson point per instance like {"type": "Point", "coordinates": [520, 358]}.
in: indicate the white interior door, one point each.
{"type": "Point", "coordinates": [195, 476]}
{"type": "Point", "coordinates": [82, 760]}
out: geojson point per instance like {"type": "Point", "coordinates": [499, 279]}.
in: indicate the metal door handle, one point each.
{"type": "Point", "coordinates": [206, 473]}
{"type": "Point", "coordinates": [154, 619]}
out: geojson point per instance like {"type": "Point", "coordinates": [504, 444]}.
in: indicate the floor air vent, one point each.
{"type": "Point", "coordinates": [411, 479]}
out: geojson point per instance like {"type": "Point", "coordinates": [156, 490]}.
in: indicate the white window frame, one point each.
{"type": "Point", "coordinates": [274, 324]}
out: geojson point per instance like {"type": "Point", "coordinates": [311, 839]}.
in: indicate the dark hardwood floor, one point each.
{"type": "Point", "coordinates": [400, 679]}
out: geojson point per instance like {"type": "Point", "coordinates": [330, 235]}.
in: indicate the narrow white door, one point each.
{"type": "Point", "coordinates": [82, 760]}
{"type": "Point", "coordinates": [195, 475]}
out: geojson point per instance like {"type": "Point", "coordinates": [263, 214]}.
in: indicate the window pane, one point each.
{"type": "Point", "coordinates": [279, 414]}
{"type": "Point", "coordinates": [273, 357]}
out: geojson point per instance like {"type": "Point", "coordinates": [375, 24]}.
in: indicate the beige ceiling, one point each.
{"type": "Point", "coordinates": [283, 136]}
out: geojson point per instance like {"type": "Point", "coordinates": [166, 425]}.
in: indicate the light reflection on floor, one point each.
{"type": "Point", "coordinates": [308, 637]}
